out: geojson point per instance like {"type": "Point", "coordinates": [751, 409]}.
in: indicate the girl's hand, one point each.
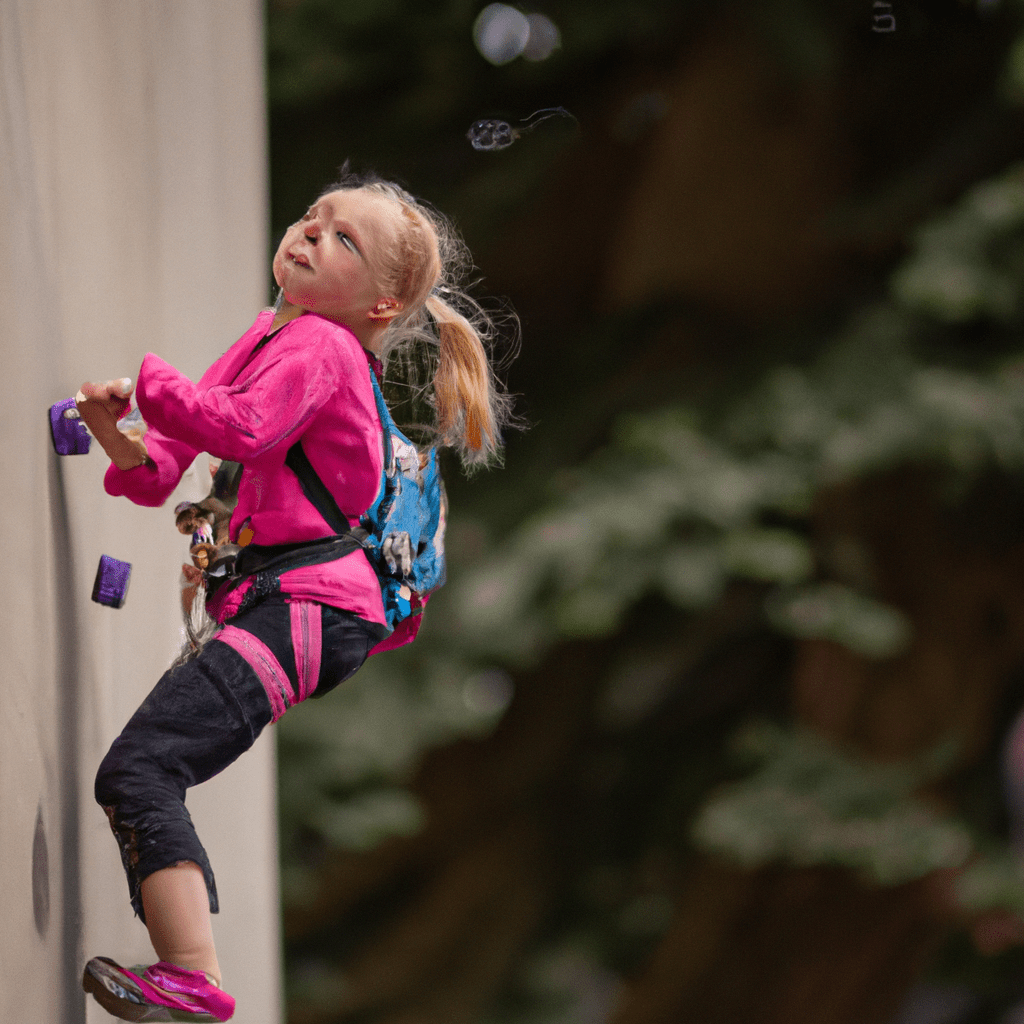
{"type": "Point", "coordinates": [113, 395]}
{"type": "Point", "coordinates": [101, 406]}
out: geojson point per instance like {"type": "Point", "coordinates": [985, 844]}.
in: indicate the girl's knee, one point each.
{"type": "Point", "coordinates": [108, 787]}
{"type": "Point", "coordinates": [126, 771]}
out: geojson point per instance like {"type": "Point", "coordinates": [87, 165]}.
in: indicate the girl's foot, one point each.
{"type": "Point", "coordinates": [162, 992]}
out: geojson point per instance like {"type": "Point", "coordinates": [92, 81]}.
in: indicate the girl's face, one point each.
{"type": "Point", "coordinates": [324, 262]}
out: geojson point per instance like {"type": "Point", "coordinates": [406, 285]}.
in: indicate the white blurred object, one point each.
{"type": "Point", "coordinates": [502, 33]}
{"type": "Point", "coordinates": [544, 38]}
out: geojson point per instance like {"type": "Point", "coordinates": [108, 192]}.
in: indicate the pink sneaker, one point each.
{"type": "Point", "coordinates": [161, 992]}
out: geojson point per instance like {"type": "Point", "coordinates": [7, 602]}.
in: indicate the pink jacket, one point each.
{"type": "Point", "coordinates": [310, 381]}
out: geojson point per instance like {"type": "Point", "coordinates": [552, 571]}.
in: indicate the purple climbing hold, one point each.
{"type": "Point", "coordinates": [111, 586]}
{"type": "Point", "coordinates": [69, 433]}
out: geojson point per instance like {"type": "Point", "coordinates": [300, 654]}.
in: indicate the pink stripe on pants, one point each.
{"type": "Point", "coordinates": [265, 665]}
{"type": "Point", "coordinates": [307, 642]}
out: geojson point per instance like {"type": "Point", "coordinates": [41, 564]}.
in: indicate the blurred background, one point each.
{"type": "Point", "coordinates": [718, 718]}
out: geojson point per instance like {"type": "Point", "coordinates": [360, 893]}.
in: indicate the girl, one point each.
{"type": "Point", "coordinates": [367, 270]}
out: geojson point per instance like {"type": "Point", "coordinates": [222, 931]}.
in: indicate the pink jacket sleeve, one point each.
{"type": "Point", "coordinates": [237, 422]}
{"type": "Point", "coordinates": [152, 484]}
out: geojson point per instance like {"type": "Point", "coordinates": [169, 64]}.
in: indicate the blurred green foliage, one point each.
{"type": "Point", "coordinates": [808, 803]}
{"type": "Point", "coordinates": [343, 760]}
{"type": "Point", "coordinates": [681, 503]}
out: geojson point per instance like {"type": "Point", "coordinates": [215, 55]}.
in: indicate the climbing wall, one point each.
{"type": "Point", "coordinates": [132, 219]}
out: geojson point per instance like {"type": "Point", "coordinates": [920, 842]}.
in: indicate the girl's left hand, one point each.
{"type": "Point", "coordinates": [101, 406]}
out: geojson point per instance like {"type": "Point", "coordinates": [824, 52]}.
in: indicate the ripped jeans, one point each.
{"type": "Point", "coordinates": [203, 714]}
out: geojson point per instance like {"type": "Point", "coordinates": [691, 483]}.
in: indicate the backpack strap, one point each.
{"type": "Point", "coordinates": [315, 489]}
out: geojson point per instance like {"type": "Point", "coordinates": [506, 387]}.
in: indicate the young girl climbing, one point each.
{"type": "Point", "coordinates": [367, 270]}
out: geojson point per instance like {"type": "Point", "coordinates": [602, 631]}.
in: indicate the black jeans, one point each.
{"type": "Point", "coordinates": [201, 716]}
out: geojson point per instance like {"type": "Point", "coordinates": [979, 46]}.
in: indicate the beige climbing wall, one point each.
{"type": "Point", "coordinates": [132, 218]}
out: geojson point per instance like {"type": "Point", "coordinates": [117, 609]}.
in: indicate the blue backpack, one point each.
{"type": "Point", "coordinates": [402, 532]}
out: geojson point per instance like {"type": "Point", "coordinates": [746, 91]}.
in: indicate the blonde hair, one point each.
{"type": "Point", "coordinates": [423, 268]}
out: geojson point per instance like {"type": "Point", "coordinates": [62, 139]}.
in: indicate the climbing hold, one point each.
{"type": "Point", "coordinates": [111, 585]}
{"type": "Point", "coordinates": [70, 435]}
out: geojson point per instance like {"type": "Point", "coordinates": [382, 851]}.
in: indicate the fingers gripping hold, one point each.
{"type": "Point", "coordinates": [101, 406]}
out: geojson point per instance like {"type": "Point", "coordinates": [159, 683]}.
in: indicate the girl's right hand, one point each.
{"type": "Point", "coordinates": [101, 406]}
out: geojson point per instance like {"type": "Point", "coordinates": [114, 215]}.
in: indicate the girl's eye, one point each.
{"type": "Point", "coordinates": [347, 242]}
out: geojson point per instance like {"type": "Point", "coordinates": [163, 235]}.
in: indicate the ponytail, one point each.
{"type": "Point", "coordinates": [464, 390]}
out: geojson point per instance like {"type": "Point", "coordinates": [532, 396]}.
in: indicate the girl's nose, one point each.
{"type": "Point", "coordinates": [311, 229]}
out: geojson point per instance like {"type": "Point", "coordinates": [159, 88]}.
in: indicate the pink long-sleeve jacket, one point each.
{"type": "Point", "coordinates": [309, 381]}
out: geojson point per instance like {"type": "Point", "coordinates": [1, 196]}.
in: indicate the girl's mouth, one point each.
{"type": "Point", "coordinates": [298, 258]}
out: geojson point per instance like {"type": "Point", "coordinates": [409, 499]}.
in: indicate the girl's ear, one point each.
{"type": "Point", "coordinates": [385, 309]}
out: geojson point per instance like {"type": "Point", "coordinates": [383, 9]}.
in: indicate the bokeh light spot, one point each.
{"type": "Point", "coordinates": [543, 40]}
{"type": "Point", "coordinates": [501, 33]}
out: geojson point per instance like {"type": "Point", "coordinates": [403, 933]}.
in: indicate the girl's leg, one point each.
{"type": "Point", "coordinates": [178, 918]}
{"type": "Point", "coordinates": [199, 718]}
